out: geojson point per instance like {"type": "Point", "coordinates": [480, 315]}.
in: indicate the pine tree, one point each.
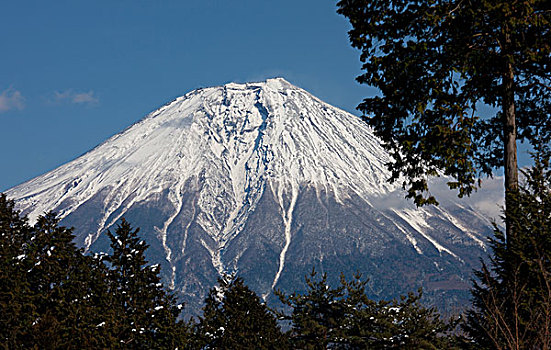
{"type": "Point", "coordinates": [234, 318]}
{"type": "Point", "coordinates": [318, 316]}
{"type": "Point", "coordinates": [402, 323]}
{"type": "Point", "coordinates": [147, 314]}
{"type": "Point", "coordinates": [69, 290]}
{"type": "Point", "coordinates": [55, 278]}
{"type": "Point", "coordinates": [16, 307]}
{"type": "Point", "coordinates": [407, 324]}
{"type": "Point", "coordinates": [435, 63]}
{"type": "Point", "coordinates": [345, 318]}
{"type": "Point", "coordinates": [512, 296]}
{"type": "Point", "coordinates": [52, 295]}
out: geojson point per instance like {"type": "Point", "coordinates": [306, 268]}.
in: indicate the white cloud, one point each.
{"type": "Point", "coordinates": [488, 199]}
{"type": "Point", "coordinates": [11, 99]}
{"type": "Point", "coordinates": [70, 96]}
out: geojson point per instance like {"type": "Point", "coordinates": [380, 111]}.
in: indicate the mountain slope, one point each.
{"type": "Point", "coordinates": [266, 180]}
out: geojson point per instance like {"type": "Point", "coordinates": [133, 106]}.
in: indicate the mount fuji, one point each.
{"type": "Point", "coordinates": [266, 181]}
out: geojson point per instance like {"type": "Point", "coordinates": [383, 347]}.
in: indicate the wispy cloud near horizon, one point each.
{"type": "Point", "coordinates": [74, 97]}
{"type": "Point", "coordinates": [11, 99]}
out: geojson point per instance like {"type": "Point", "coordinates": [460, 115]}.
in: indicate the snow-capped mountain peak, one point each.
{"type": "Point", "coordinates": [236, 137]}
{"type": "Point", "coordinates": [241, 177]}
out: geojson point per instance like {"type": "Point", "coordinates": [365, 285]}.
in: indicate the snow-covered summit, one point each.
{"type": "Point", "coordinates": [261, 178]}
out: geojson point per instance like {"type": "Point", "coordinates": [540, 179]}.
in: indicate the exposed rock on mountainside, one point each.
{"type": "Point", "coordinates": [265, 180]}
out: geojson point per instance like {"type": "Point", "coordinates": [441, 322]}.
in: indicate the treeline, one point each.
{"type": "Point", "coordinates": [53, 296]}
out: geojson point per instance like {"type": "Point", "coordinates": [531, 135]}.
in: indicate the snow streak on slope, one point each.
{"type": "Point", "coordinates": [233, 140]}
{"type": "Point", "coordinates": [416, 219]}
{"type": "Point", "coordinates": [287, 216]}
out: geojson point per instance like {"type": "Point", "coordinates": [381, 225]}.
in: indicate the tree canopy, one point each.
{"type": "Point", "coordinates": [436, 63]}
{"type": "Point", "coordinates": [343, 317]}
{"type": "Point", "coordinates": [54, 296]}
{"type": "Point", "coordinates": [235, 318]}
{"type": "Point", "coordinates": [148, 313]}
{"type": "Point", "coordinates": [512, 295]}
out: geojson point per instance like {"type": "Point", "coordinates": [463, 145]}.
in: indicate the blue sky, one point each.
{"type": "Point", "coordinates": [73, 73]}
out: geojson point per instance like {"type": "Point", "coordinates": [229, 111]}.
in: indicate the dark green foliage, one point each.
{"type": "Point", "coordinates": [512, 296]}
{"type": "Point", "coordinates": [234, 318]}
{"type": "Point", "coordinates": [435, 63]}
{"type": "Point", "coordinates": [16, 304]}
{"type": "Point", "coordinates": [60, 281]}
{"type": "Point", "coordinates": [49, 288]}
{"type": "Point", "coordinates": [319, 316]}
{"type": "Point", "coordinates": [345, 318]}
{"type": "Point", "coordinates": [147, 314]}
{"type": "Point", "coordinates": [53, 296]}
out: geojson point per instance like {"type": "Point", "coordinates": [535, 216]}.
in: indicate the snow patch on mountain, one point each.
{"type": "Point", "coordinates": [234, 139]}
{"type": "Point", "coordinates": [416, 218]}
{"type": "Point", "coordinates": [225, 147]}
{"type": "Point", "coordinates": [287, 216]}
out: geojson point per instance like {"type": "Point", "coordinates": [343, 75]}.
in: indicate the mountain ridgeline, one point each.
{"type": "Point", "coordinates": [266, 181]}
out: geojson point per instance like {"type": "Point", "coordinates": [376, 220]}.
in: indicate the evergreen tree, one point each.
{"type": "Point", "coordinates": [53, 296]}
{"type": "Point", "coordinates": [397, 324]}
{"type": "Point", "coordinates": [435, 63]}
{"type": "Point", "coordinates": [60, 278]}
{"type": "Point", "coordinates": [49, 289]}
{"type": "Point", "coordinates": [234, 318]}
{"type": "Point", "coordinates": [16, 307]}
{"type": "Point", "coordinates": [345, 318]}
{"type": "Point", "coordinates": [407, 324]}
{"type": "Point", "coordinates": [319, 316]}
{"type": "Point", "coordinates": [512, 296]}
{"type": "Point", "coordinates": [147, 314]}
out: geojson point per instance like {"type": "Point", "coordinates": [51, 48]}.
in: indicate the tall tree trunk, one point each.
{"type": "Point", "coordinates": [510, 146]}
